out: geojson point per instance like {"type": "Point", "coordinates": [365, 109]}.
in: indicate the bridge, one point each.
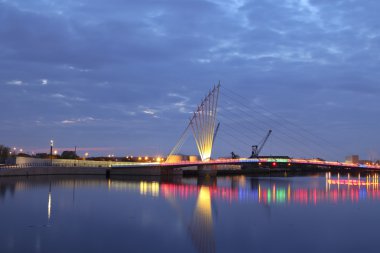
{"type": "Point", "coordinates": [203, 126]}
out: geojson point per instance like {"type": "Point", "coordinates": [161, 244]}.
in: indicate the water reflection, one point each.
{"type": "Point", "coordinates": [201, 226]}
{"type": "Point", "coordinates": [275, 190]}
{"type": "Point", "coordinates": [205, 195]}
{"type": "Point", "coordinates": [49, 202]}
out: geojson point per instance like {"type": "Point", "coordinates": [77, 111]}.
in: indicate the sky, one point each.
{"type": "Point", "coordinates": [123, 77]}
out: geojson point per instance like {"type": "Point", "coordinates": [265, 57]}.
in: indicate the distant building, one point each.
{"type": "Point", "coordinates": [352, 159]}
{"type": "Point", "coordinates": [366, 162]}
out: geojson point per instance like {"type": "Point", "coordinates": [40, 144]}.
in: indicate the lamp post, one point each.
{"type": "Point", "coordinates": [51, 152]}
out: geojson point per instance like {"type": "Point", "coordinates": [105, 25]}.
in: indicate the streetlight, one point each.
{"type": "Point", "coordinates": [85, 155]}
{"type": "Point", "coordinates": [51, 152]}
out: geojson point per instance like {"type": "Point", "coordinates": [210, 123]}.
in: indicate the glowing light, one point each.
{"type": "Point", "coordinates": [201, 226]}
{"type": "Point", "coordinates": [152, 189]}
{"type": "Point", "coordinates": [49, 205]}
{"type": "Point", "coordinates": [352, 182]}
{"type": "Point", "coordinates": [202, 124]}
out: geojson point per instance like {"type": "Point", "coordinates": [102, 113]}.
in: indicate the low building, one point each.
{"type": "Point", "coordinates": [352, 159]}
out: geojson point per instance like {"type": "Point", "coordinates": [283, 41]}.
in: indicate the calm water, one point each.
{"type": "Point", "coordinates": [321, 213]}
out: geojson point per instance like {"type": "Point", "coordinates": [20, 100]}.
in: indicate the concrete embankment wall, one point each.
{"type": "Point", "coordinates": [36, 162]}
{"type": "Point", "coordinates": [78, 170]}
{"type": "Point", "coordinates": [29, 171]}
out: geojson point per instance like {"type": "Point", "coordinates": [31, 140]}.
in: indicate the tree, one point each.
{"type": "Point", "coordinates": [69, 155]}
{"type": "Point", "coordinates": [42, 155]}
{"type": "Point", "coordinates": [4, 153]}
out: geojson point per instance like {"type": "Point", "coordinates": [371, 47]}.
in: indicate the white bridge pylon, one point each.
{"type": "Point", "coordinates": [202, 124]}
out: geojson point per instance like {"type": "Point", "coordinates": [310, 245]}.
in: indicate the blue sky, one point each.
{"type": "Point", "coordinates": [123, 76]}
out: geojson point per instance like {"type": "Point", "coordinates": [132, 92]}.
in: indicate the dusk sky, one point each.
{"type": "Point", "coordinates": [122, 77]}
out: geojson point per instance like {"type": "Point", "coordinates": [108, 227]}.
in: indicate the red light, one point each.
{"type": "Point", "coordinates": [274, 164]}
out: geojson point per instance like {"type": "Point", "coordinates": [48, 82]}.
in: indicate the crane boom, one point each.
{"type": "Point", "coordinates": [256, 149]}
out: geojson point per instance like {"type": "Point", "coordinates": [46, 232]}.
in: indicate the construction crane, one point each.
{"type": "Point", "coordinates": [234, 156]}
{"type": "Point", "coordinates": [256, 149]}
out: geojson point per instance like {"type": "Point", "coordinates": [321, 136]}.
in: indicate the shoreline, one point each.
{"type": "Point", "coordinates": [161, 171]}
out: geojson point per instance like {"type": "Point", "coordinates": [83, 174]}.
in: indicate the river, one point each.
{"type": "Point", "coordinates": [314, 213]}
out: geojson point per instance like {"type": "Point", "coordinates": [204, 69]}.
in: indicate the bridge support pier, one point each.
{"type": "Point", "coordinates": [207, 170]}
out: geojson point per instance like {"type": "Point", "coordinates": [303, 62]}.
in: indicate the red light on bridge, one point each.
{"type": "Point", "coordinates": [274, 164]}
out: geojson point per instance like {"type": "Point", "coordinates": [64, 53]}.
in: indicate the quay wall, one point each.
{"type": "Point", "coordinates": [52, 170]}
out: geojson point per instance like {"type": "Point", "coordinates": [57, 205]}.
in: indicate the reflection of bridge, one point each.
{"type": "Point", "coordinates": [265, 192]}
{"type": "Point", "coordinates": [338, 188]}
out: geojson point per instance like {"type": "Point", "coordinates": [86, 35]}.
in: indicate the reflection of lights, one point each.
{"type": "Point", "coordinates": [150, 188]}
{"type": "Point", "coordinates": [353, 182]}
{"type": "Point", "coordinates": [267, 193]}
{"type": "Point", "coordinates": [201, 226]}
{"type": "Point", "coordinates": [49, 205]}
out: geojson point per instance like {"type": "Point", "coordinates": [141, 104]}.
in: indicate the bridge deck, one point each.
{"type": "Point", "coordinates": [242, 161]}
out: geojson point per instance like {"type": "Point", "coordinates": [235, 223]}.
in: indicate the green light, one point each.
{"type": "Point", "coordinates": [281, 195]}
{"type": "Point", "coordinates": [280, 160]}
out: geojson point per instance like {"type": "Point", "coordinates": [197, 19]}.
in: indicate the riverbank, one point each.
{"type": "Point", "coordinates": [156, 171]}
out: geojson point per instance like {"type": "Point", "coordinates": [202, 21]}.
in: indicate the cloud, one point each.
{"type": "Point", "coordinates": [150, 111]}
{"type": "Point", "coordinates": [78, 120]}
{"type": "Point", "coordinates": [181, 105]}
{"type": "Point", "coordinates": [68, 98]}
{"type": "Point", "coordinates": [105, 59]}
{"type": "Point", "coordinates": [58, 95]}
{"type": "Point", "coordinates": [16, 82]}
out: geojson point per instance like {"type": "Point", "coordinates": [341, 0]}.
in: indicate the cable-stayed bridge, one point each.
{"type": "Point", "coordinates": [223, 119]}
{"type": "Point", "coordinates": [236, 124]}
